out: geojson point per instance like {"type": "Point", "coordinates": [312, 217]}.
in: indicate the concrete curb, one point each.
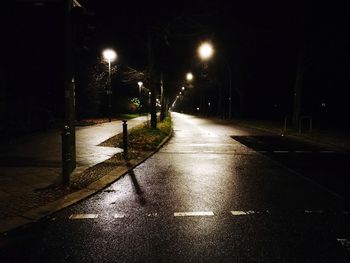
{"type": "Point", "coordinates": [41, 212]}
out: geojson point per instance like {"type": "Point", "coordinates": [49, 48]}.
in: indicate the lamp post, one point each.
{"type": "Point", "coordinates": [205, 52]}
{"type": "Point", "coordinates": [140, 87]}
{"type": "Point", "coordinates": [109, 55]}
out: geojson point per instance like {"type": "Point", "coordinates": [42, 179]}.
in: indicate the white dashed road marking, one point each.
{"type": "Point", "coordinates": [303, 151]}
{"type": "Point", "coordinates": [204, 213]}
{"type": "Point", "coordinates": [209, 213]}
{"type": "Point", "coordinates": [280, 151]}
{"type": "Point", "coordinates": [119, 216]}
{"type": "Point", "coordinates": [238, 213]}
{"type": "Point", "coordinates": [249, 212]}
{"type": "Point", "coordinates": [152, 215]}
{"type": "Point", "coordinates": [83, 216]}
{"type": "Point", "coordinates": [313, 212]}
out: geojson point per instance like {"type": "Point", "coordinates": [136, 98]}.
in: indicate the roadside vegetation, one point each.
{"type": "Point", "coordinates": [122, 116]}
{"type": "Point", "coordinates": [142, 138]}
{"type": "Point", "coordinates": [142, 141]}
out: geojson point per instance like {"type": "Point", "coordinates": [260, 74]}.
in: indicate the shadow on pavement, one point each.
{"type": "Point", "coordinates": [135, 183]}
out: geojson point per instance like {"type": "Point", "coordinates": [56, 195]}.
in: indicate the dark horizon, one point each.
{"type": "Point", "coordinates": [261, 42]}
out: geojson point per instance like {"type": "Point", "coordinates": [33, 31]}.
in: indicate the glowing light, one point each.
{"type": "Point", "coordinates": [109, 55]}
{"type": "Point", "coordinates": [205, 51]}
{"type": "Point", "coordinates": [140, 84]}
{"type": "Point", "coordinates": [189, 76]}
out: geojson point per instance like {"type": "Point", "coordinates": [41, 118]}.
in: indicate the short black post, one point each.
{"type": "Point", "coordinates": [125, 137]}
{"type": "Point", "coordinates": [285, 125]}
{"type": "Point", "coordinates": [66, 155]}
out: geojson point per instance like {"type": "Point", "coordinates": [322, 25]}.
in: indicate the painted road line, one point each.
{"type": "Point", "coordinates": [313, 212]}
{"type": "Point", "coordinates": [238, 213]}
{"type": "Point", "coordinates": [249, 212]}
{"type": "Point", "coordinates": [152, 215]}
{"type": "Point", "coordinates": [327, 152]}
{"type": "Point", "coordinates": [303, 151]}
{"type": "Point", "coordinates": [119, 215]}
{"type": "Point", "coordinates": [344, 243]}
{"type": "Point", "coordinates": [83, 216]}
{"type": "Point", "coordinates": [209, 213]}
{"type": "Point", "coordinates": [280, 151]}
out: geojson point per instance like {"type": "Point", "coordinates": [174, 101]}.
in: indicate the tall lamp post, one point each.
{"type": "Point", "coordinates": [140, 87]}
{"type": "Point", "coordinates": [205, 52]}
{"type": "Point", "coordinates": [109, 55]}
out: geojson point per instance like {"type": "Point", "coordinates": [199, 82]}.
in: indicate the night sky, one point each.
{"type": "Point", "coordinates": [260, 40]}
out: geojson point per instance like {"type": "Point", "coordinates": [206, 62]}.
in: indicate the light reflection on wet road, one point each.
{"type": "Point", "coordinates": [202, 171]}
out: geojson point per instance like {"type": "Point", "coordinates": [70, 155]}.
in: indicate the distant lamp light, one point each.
{"type": "Point", "coordinates": [205, 50]}
{"type": "Point", "coordinates": [189, 76]}
{"type": "Point", "coordinates": [177, 96]}
{"type": "Point", "coordinates": [183, 88]}
{"type": "Point", "coordinates": [180, 92]}
{"type": "Point", "coordinates": [323, 105]}
{"type": "Point", "coordinates": [139, 83]}
{"type": "Point", "coordinates": [197, 108]}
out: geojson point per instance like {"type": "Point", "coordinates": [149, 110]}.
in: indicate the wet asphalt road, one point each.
{"type": "Point", "coordinates": [250, 206]}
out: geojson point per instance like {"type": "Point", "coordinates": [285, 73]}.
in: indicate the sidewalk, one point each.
{"type": "Point", "coordinates": [33, 164]}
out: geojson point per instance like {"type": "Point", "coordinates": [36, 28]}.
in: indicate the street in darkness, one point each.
{"type": "Point", "coordinates": [204, 197]}
{"type": "Point", "coordinates": [182, 131]}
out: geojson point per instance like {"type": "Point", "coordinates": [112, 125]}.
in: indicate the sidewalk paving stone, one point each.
{"type": "Point", "coordinates": [33, 164]}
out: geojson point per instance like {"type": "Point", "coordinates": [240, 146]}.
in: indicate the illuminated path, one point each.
{"type": "Point", "coordinates": [205, 197]}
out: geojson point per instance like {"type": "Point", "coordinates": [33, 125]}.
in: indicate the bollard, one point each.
{"type": "Point", "coordinates": [125, 137]}
{"type": "Point", "coordinates": [66, 155]}
{"type": "Point", "coordinates": [284, 125]}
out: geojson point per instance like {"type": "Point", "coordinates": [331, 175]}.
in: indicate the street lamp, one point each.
{"type": "Point", "coordinates": [109, 55]}
{"type": "Point", "coordinates": [205, 52]}
{"type": "Point", "coordinates": [140, 86]}
{"type": "Point", "coordinates": [183, 88]}
{"type": "Point", "coordinates": [189, 76]}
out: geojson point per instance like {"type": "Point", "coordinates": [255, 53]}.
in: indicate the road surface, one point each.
{"type": "Point", "coordinates": [214, 193]}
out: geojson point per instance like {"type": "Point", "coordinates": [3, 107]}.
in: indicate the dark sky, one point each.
{"type": "Point", "coordinates": [260, 40]}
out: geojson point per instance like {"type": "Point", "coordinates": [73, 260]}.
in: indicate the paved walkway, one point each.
{"type": "Point", "coordinates": [34, 162]}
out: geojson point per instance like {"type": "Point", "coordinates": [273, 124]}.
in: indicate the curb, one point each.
{"type": "Point", "coordinates": [41, 212]}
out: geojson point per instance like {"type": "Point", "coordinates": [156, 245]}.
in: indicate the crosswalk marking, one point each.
{"type": "Point", "coordinates": [209, 213]}
{"type": "Point", "coordinates": [83, 216]}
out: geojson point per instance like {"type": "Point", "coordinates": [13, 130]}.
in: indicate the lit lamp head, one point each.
{"type": "Point", "coordinates": [140, 84]}
{"type": "Point", "coordinates": [205, 51]}
{"type": "Point", "coordinates": [189, 76]}
{"type": "Point", "coordinates": [109, 55]}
